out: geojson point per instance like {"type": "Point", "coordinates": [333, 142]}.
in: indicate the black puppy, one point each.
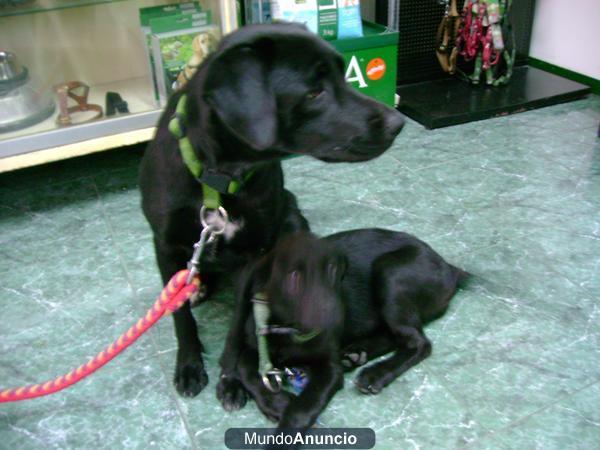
{"type": "Point", "coordinates": [360, 294]}
{"type": "Point", "coordinates": [268, 91]}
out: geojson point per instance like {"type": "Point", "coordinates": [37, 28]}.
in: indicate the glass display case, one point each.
{"type": "Point", "coordinates": [75, 76]}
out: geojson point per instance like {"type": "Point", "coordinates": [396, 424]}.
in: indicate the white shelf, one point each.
{"type": "Point", "coordinates": [86, 147]}
{"type": "Point", "coordinates": [47, 135]}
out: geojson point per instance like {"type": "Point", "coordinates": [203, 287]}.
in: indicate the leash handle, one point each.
{"type": "Point", "coordinates": [173, 296]}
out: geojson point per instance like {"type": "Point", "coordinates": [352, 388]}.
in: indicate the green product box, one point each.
{"type": "Point", "coordinates": [152, 12]}
{"type": "Point", "coordinates": [372, 61]}
{"type": "Point", "coordinates": [179, 45]}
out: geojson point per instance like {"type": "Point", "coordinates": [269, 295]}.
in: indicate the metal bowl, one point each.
{"type": "Point", "coordinates": [10, 68]}
{"type": "Point", "coordinates": [22, 102]}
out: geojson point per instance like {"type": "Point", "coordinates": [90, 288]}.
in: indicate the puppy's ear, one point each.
{"type": "Point", "coordinates": [237, 87]}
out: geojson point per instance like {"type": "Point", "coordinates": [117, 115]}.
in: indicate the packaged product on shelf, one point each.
{"type": "Point", "coordinates": [331, 19]}
{"type": "Point", "coordinates": [152, 12]}
{"type": "Point", "coordinates": [349, 19]}
{"type": "Point", "coordinates": [258, 11]}
{"type": "Point", "coordinates": [179, 45]}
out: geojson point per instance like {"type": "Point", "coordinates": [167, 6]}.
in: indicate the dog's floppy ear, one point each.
{"type": "Point", "coordinates": [238, 90]}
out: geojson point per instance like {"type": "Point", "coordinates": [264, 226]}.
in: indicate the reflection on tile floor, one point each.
{"type": "Point", "coordinates": [516, 361]}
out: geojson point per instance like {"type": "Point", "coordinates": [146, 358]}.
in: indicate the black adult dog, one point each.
{"type": "Point", "coordinates": [267, 92]}
{"type": "Point", "coordinates": [365, 292]}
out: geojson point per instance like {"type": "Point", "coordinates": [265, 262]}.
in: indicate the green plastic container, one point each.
{"type": "Point", "coordinates": [372, 62]}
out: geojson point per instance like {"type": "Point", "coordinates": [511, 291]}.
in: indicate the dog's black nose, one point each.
{"type": "Point", "coordinates": [394, 123]}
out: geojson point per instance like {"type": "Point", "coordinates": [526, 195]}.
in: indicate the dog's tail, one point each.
{"type": "Point", "coordinates": [462, 276]}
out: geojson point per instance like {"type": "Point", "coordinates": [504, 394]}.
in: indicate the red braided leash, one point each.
{"type": "Point", "coordinates": [172, 297]}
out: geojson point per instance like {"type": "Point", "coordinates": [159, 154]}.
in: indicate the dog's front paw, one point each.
{"type": "Point", "coordinates": [190, 376]}
{"type": "Point", "coordinates": [353, 358]}
{"type": "Point", "coordinates": [231, 393]}
{"type": "Point", "coordinates": [369, 381]}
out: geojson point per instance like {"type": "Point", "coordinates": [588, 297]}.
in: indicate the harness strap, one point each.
{"type": "Point", "coordinates": [213, 184]}
{"type": "Point", "coordinates": [261, 312]}
{"type": "Point", "coordinates": [291, 379]}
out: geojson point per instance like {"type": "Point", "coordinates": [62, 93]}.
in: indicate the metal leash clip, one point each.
{"type": "Point", "coordinates": [211, 230]}
{"type": "Point", "coordinates": [295, 380]}
{"type": "Point", "coordinates": [272, 380]}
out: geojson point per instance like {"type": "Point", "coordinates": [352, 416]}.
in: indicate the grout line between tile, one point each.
{"type": "Point", "coordinates": [456, 157]}
{"type": "Point", "coordinates": [562, 275]}
{"type": "Point", "coordinates": [458, 399]}
{"type": "Point", "coordinates": [517, 422]}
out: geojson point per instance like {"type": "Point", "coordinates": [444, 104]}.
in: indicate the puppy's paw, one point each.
{"type": "Point", "coordinates": [369, 381]}
{"type": "Point", "coordinates": [273, 405]}
{"type": "Point", "coordinates": [231, 394]}
{"type": "Point", "coordinates": [190, 376]}
{"type": "Point", "coordinates": [353, 358]}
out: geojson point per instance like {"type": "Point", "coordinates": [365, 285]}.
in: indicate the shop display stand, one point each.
{"type": "Point", "coordinates": [98, 42]}
{"type": "Point", "coordinates": [436, 99]}
{"type": "Point", "coordinates": [451, 101]}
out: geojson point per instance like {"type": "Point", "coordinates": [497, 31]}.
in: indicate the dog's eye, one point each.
{"type": "Point", "coordinates": [314, 94]}
{"type": "Point", "coordinates": [294, 281]}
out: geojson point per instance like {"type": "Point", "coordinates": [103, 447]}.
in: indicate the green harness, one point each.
{"type": "Point", "coordinates": [290, 379]}
{"type": "Point", "coordinates": [213, 184]}
{"type": "Point", "coordinates": [260, 309]}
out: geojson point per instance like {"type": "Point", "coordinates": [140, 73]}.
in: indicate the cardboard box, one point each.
{"type": "Point", "coordinates": [372, 61]}
{"type": "Point", "coordinates": [152, 12]}
{"type": "Point", "coordinates": [179, 45]}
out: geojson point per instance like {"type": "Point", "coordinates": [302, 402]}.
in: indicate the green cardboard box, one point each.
{"type": "Point", "coordinates": [179, 45]}
{"type": "Point", "coordinates": [152, 12]}
{"type": "Point", "coordinates": [372, 61]}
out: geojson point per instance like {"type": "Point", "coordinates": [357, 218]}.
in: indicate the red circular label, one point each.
{"type": "Point", "coordinates": [376, 69]}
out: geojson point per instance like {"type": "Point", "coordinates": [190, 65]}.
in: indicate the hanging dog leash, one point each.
{"type": "Point", "coordinates": [447, 32]}
{"type": "Point", "coordinates": [481, 42]}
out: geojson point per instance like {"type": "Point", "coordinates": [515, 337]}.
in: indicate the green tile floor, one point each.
{"type": "Point", "coordinates": [516, 361]}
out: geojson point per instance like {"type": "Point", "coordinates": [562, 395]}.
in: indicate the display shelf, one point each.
{"type": "Point", "coordinates": [36, 6]}
{"type": "Point", "coordinates": [86, 147]}
{"type": "Point", "coordinates": [137, 92]}
{"type": "Point", "coordinates": [96, 45]}
{"type": "Point", "coordinates": [451, 101]}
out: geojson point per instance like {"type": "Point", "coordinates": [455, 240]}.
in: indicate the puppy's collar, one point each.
{"type": "Point", "coordinates": [213, 183]}
{"type": "Point", "coordinates": [261, 319]}
{"type": "Point", "coordinates": [272, 377]}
